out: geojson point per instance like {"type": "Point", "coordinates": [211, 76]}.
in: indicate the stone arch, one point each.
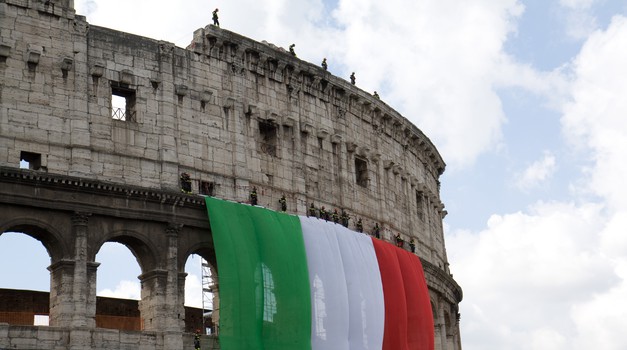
{"type": "Point", "coordinates": [205, 251]}
{"type": "Point", "coordinates": [48, 235]}
{"type": "Point", "coordinates": [142, 248]}
{"type": "Point", "coordinates": [145, 253]}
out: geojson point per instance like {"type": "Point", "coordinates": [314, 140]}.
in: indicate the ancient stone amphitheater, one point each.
{"type": "Point", "coordinates": [122, 134]}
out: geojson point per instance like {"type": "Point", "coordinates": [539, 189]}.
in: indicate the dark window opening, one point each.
{"type": "Point", "coordinates": [207, 188]}
{"type": "Point", "coordinates": [268, 133]}
{"type": "Point", "coordinates": [122, 102]}
{"type": "Point", "coordinates": [29, 160]}
{"type": "Point", "coordinates": [361, 172]}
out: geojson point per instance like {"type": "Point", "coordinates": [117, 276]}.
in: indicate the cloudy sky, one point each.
{"type": "Point", "coordinates": [527, 103]}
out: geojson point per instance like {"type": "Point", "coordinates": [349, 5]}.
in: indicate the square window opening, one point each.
{"type": "Point", "coordinates": [122, 102]}
{"type": "Point", "coordinates": [30, 160]}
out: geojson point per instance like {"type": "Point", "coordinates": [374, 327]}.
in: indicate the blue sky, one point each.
{"type": "Point", "coordinates": [526, 101]}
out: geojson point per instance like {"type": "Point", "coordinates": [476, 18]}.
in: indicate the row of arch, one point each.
{"type": "Point", "coordinates": [73, 269]}
{"type": "Point", "coordinates": [57, 249]}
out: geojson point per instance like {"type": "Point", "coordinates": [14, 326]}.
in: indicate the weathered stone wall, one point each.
{"type": "Point", "coordinates": [203, 111]}
{"type": "Point", "coordinates": [233, 113]}
{"type": "Point", "coordinates": [28, 337]}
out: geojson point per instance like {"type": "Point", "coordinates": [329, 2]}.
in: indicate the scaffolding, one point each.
{"type": "Point", "coordinates": [207, 294]}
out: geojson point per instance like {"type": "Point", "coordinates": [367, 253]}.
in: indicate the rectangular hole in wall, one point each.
{"type": "Point", "coordinates": [361, 172]}
{"type": "Point", "coordinates": [268, 134]}
{"type": "Point", "coordinates": [122, 102]}
{"type": "Point", "coordinates": [30, 160]}
{"type": "Point", "coordinates": [207, 188]}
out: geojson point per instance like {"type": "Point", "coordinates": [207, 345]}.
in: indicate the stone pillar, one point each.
{"type": "Point", "coordinates": [160, 304]}
{"type": "Point", "coordinates": [181, 299]}
{"type": "Point", "coordinates": [61, 284]}
{"type": "Point", "coordinates": [79, 292]}
{"type": "Point", "coordinates": [69, 286]}
{"type": "Point", "coordinates": [80, 334]}
{"type": "Point", "coordinates": [152, 303]}
{"type": "Point", "coordinates": [173, 318]}
{"type": "Point", "coordinates": [90, 311]}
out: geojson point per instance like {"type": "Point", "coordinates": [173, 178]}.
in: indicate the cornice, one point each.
{"type": "Point", "coordinates": [8, 174]}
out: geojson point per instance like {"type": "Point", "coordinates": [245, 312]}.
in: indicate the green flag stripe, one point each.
{"type": "Point", "coordinates": [263, 278]}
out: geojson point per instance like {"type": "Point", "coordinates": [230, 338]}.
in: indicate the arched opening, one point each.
{"type": "Point", "coordinates": [201, 295]}
{"type": "Point", "coordinates": [25, 282]}
{"type": "Point", "coordinates": [118, 289]}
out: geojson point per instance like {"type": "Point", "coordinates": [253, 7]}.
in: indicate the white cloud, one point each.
{"type": "Point", "coordinates": [123, 290]}
{"type": "Point", "coordinates": [555, 276]}
{"type": "Point", "coordinates": [528, 271]}
{"type": "Point", "coordinates": [577, 4]}
{"type": "Point", "coordinates": [193, 291]}
{"type": "Point", "coordinates": [437, 62]}
{"type": "Point", "coordinates": [595, 117]}
{"type": "Point", "coordinates": [579, 19]}
{"type": "Point", "coordinates": [537, 173]}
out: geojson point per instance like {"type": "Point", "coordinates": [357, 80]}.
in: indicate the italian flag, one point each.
{"type": "Point", "coordinates": [291, 282]}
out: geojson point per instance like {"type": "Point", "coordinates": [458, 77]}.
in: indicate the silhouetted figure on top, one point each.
{"type": "Point", "coordinates": [215, 18]}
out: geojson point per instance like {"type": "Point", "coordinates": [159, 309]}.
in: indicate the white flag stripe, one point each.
{"type": "Point", "coordinates": [365, 291]}
{"type": "Point", "coordinates": [346, 291]}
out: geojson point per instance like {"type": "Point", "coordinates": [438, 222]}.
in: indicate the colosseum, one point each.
{"type": "Point", "coordinates": [219, 118]}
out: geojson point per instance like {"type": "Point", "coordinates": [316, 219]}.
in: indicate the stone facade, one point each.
{"type": "Point", "coordinates": [88, 104]}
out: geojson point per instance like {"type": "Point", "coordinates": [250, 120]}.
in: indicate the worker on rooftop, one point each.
{"type": "Point", "coordinates": [215, 18]}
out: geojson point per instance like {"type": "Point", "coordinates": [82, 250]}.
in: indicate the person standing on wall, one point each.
{"type": "Point", "coordinates": [215, 18]}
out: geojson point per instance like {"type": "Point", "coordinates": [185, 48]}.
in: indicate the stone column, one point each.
{"type": "Point", "coordinates": [173, 318]}
{"type": "Point", "coordinates": [79, 293]}
{"type": "Point", "coordinates": [180, 310]}
{"type": "Point", "coordinates": [159, 305]}
{"type": "Point", "coordinates": [68, 281]}
{"type": "Point", "coordinates": [152, 303]}
{"type": "Point", "coordinates": [90, 311]}
{"type": "Point", "coordinates": [80, 333]}
{"type": "Point", "coordinates": [61, 284]}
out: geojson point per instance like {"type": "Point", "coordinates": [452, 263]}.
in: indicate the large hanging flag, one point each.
{"type": "Point", "coordinates": [289, 283]}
